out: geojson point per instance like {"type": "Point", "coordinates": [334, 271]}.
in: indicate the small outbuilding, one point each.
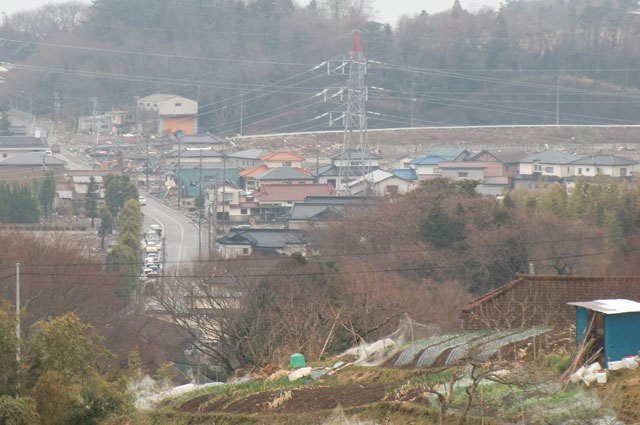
{"type": "Point", "coordinates": [615, 326]}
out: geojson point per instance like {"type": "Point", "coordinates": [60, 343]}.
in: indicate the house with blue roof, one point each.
{"type": "Point", "coordinates": [406, 173]}
{"type": "Point", "coordinates": [426, 166]}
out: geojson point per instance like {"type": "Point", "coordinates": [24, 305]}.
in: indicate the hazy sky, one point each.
{"type": "Point", "coordinates": [387, 10]}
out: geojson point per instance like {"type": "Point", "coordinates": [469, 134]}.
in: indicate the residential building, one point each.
{"type": "Point", "coordinates": [122, 121]}
{"type": "Point", "coordinates": [380, 183]}
{"type": "Point", "coordinates": [359, 163]}
{"type": "Point", "coordinates": [451, 153]}
{"type": "Point", "coordinates": [288, 175]}
{"type": "Point", "coordinates": [167, 113]}
{"type": "Point", "coordinates": [609, 165]}
{"type": "Point", "coordinates": [406, 173]}
{"type": "Point", "coordinates": [91, 123]}
{"type": "Point", "coordinates": [487, 174]}
{"type": "Point", "coordinates": [548, 163]}
{"type": "Point", "coordinates": [13, 145]}
{"type": "Point", "coordinates": [25, 167]}
{"type": "Point", "coordinates": [427, 166]}
{"type": "Point", "coordinates": [277, 199]}
{"type": "Point", "coordinates": [81, 183]}
{"type": "Point", "coordinates": [247, 158]}
{"type": "Point", "coordinates": [190, 179]}
{"type": "Point", "coordinates": [319, 211]}
{"type": "Point", "coordinates": [509, 160]}
{"type": "Point", "coordinates": [231, 203]}
{"type": "Point", "coordinates": [245, 242]}
{"type": "Point", "coordinates": [283, 159]}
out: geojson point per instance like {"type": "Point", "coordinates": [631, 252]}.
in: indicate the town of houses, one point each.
{"type": "Point", "coordinates": [259, 200]}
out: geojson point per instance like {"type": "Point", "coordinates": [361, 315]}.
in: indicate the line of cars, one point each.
{"type": "Point", "coordinates": [152, 248]}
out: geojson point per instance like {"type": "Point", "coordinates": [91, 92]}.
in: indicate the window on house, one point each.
{"type": "Point", "coordinates": [155, 105]}
{"type": "Point", "coordinates": [243, 211]}
{"type": "Point", "coordinates": [178, 104]}
{"type": "Point", "coordinates": [569, 169]}
{"type": "Point", "coordinates": [548, 169]}
{"type": "Point", "coordinates": [245, 251]}
{"type": "Point", "coordinates": [579, 170]}
{"type": "Point", "coordinates": [332, 182]}
{"type": "Point", "coordinates": [588, 169]}
{"type": "Point", "coordinates": [599, 170]}
{"type": "Point", "coordinates": [437, 170]}
{"type": "Point", "coordinates": [463, 174]}
{"type": "Point", "coordinates": [623, 171]}
{"type": "Point", "coordinates": [392, 189]}
{"type": "Point", "coordinates": [4, 155]}
{"type": "Point", "coordinates": [287, 163]}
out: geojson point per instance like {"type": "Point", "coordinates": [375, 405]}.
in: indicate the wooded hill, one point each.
{"type": "Point", "coordinates": [530, 62]}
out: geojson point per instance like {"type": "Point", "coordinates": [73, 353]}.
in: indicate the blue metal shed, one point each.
{"type": "Point", "coordinates": [616, 322]}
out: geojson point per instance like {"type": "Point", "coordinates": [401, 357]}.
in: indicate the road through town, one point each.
{"type": "Point", "coordinates": [181, 234]}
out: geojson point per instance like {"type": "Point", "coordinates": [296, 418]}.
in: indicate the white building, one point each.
{"type": "Point", "coordinates": [166, 114]}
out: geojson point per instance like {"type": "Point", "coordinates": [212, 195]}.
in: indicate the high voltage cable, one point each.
{"type": "Point", "coordinates": [162, 55]}
{"type": "Point", "coordinates": [345, 272]}
{"type": "Point", "coordinates": [492, 80]}
{"type": "Point", "coordinates": [333, 255]}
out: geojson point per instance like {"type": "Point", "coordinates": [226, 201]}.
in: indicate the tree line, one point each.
{"type": "Point", "coordinates": [24, 202]}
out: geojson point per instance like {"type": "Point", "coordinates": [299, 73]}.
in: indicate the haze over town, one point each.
{"type": "Point", "coordinates": [283, 213]}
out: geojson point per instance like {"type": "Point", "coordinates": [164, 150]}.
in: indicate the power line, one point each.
{"type": "Point", "coordinates": [331, 255]}
{"type": "Point", "coordinates": [346, 272]}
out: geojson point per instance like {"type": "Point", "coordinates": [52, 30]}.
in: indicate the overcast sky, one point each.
{"type": "Point", "coordinates": [387, 10]}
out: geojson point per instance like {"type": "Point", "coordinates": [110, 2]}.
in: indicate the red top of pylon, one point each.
{"type": "Point", "coordinates": [356, 46]}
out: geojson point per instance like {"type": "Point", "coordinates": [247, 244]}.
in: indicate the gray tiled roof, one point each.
{"type": "Point", "coordinates": [303, 211]}
{"type": "Point", "coordinates": [283, 173]}
{"type": "Point", "coordinates": [550, 157]}
{"type": "Point", "coordinates": [249, 154]}
{"type": "Point", "coordinates": [31, 158]}
{"type": "Point", "coordinates": [264, 238]}
{"type": "Point", "coordinates": [354, 154]}
{"type": "Point", "coordinates": [604, 160]}
{"type": "Point", "coordinates": [22, 142]}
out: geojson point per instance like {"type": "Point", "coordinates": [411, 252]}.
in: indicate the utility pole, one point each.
{"type": "Point", "coordinates": [56, 111]}
{"type": "Point", "coordinates": [241, 111]}
{"type": "Point", "coordinates": [201, 204]}
{"type": "Point", "coordinates": [317, 180]}
{"type": "Point", "coordinates": [147, 168]}
{"type": "Point", "coordinates": [178, 134]}
{"type": "Point", "coordinates": [18, 309]}
{"type": "Point", "coordinates": [558, 100]}
{"type": "Point", "coordinates": [224, 189]}
{"type": "Point", "coordinates": [96, 129]}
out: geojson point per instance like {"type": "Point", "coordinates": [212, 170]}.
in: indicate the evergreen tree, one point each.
{"type": "Point", "coordinates": [90, 202]}
{"type": "Point", "coordinates": [106, 223]}
{"type": "Point", "coordinates": [47, 193]}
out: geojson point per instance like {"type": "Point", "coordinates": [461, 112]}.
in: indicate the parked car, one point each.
{"type": "Point", "coordinates": [151, 248]}
{"type": "Point", "coordinates": [156, 228]}
{"type": "Point", "coordinates": [142, 200]}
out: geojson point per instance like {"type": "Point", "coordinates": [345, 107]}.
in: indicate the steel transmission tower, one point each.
{"type": "Point", "coordinates": [355, 155]}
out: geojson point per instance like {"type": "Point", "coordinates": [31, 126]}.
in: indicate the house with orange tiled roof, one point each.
{"type": "Point", "coordinates": [283, 159]}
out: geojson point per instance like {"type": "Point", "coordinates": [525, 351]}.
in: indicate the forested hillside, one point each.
{"type": "Point", "coordinates": [530, 62]}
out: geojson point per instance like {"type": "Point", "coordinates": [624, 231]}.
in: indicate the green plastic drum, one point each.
{"type": "Point", "coordinates": [297, 360]}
